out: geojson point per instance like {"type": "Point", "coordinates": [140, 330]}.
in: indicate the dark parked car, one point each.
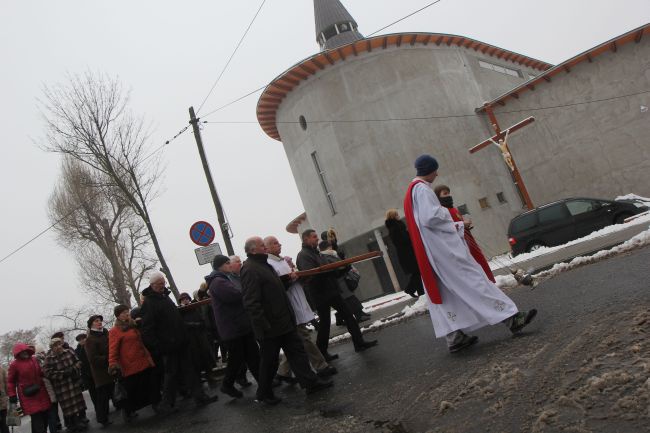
{"type": "Point", "coordinates": [565, 220]}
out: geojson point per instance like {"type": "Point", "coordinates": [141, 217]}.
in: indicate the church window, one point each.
{"type": "Point", "coordinates": [483, 202]}
{"type": "Point", "coordinates": [303, 122]}
{"type": "Point", "coordinates": [500, 69]}
{"type": "Point", "coordinates": [463, 209]}
{"type": "Point", "coordinates": [323, 182]}
{"type": "Point", "coordinates": [501, 197]}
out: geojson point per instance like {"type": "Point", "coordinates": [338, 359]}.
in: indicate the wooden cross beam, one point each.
{"type": "Point", "coordinates": [500, 139]}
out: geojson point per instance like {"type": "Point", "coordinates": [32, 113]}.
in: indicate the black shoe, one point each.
{"type": "Point", "coordinates": [106, 424]}
{"type": "Point", "coordinates": [286, 379]}
{"type": "Point", "coordinates": [411, 293]}
{"type": "Point", "coordinates": [329, 357]}
{"type": "Point", "coordinates": [327, 371]}
{"type": "Point", "coordinates": [243, 382]}
{"type": "Point", "coordinates": [128, 416]}
{"type": "Point", "coordinates": [268, 401]}
{"type": "Point", "coordinates": [363, 317]}
{"type": "Point", "coordinates": [340, 322]}
{"type": "Point", "coordinates": [319, 385]}
{"type": "Point", "coordinates": [465, 343]}
{"type": "Point", "coordinates": [164, 409]}
{"type": "Point", "coordinates": [522, 319]}
{"type": "Point", "coordinates": [205, 400]}
{"type": "Point", "coordinates": [365, 345]}
{"type": "Point", "coordinates": [231, 391]}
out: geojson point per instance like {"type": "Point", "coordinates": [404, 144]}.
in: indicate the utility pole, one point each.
{"type": "Point", "coordinates": [223, 225]}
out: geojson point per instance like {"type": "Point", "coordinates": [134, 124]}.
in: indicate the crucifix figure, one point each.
{"type": "Point", "coordinates": [500, 140]}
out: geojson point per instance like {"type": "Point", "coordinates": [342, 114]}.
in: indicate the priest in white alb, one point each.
{"type": "Point", "coordinates": [461, 298]}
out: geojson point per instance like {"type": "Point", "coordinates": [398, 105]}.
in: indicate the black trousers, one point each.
{"type": "Point", "coordinates": [294, 350]}
{"type": "Point", "coordinates": [39, 422]}
{"type": "Point", "coordinates": [415, 284]}
{"type": "Point", "coordinates": [101, 402]}
{"type": "Point", "coordinates": [177, 367]}
{"type": "Point", "coordinates": [242, 352]}
{"type": "Point", "coordinates": [323, 309]}
{"type": "Point", "coordinates": [3, 422]}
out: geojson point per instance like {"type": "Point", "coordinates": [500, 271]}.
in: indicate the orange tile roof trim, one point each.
{"type": "Point", "coordinates": [565, 67]}
{"type": "Point", "coordinates": [278, 89]}
{"type": "Point", "coordinates": [292, 227]}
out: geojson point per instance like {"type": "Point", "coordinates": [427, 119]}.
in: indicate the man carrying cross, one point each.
{"type": "Point", "coordinates": [461, 297]}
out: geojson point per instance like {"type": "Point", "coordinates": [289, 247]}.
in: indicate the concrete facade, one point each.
{"type": "Point", "coordinates": [359, 119]}
{"type": "Point", "coordinates": [601, 149]}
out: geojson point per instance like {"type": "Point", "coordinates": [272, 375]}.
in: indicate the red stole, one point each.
{"type": "Point", "coordinates": [428, 276]}
{"type": "Point", "coordinates": [474, 249]}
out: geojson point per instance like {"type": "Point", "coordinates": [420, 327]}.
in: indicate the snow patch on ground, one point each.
{"type": "Point", "coordinates": [508, 261]}
{"type": "Point", "coordinates": [638, 241]}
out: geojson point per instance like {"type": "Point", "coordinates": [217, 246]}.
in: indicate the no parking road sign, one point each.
{"type": "Point", "coordinates": [202, 233]}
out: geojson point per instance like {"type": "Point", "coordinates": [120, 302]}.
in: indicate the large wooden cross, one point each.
{"type": "Point", "coordinates": [500, 140]}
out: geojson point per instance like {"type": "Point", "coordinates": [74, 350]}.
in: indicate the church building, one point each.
{"type": "Point", "coordinates": [353, 117]}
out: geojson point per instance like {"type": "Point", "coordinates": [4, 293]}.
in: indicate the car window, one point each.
{"type": "Point", "coordinates": [576, 207]}
{"type": "Point", "coordinates": [552, 214]}
{"type": "Point", "coordinates": [524, 222]}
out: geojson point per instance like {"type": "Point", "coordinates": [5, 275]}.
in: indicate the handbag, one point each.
{"type": "Point", "coordinates": [13, 417]}
{"type": "Point", "coordinates": [119, 393]}
{"type": "Point", "coordinates": [352, 279]}
{"type": "Point", "coordinates": [31, 390]}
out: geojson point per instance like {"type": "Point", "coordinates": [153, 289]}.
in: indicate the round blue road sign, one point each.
{"type": "Point", "coordinates": [202, 233]}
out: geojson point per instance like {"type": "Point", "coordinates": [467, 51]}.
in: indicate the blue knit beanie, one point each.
{"type": "Point", "coordinates": [425, 164]}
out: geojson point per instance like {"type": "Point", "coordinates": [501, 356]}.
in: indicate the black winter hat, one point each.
{"type": "Point", "coordinates": [425, 164]}
{"type": "Point", "coordinates": [92, 319]}
{"type": "Point", "coordinates": [219, 261]}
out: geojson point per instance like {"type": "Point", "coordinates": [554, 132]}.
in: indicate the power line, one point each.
{"type": "Point", "coordinates": [231, 57]}
{"type": "Point", "coordinates": [451, 116]}
{"type": "Point", "coordinates": [235, 101]}
{"type": "Point", "coordinates": [403, 18]}
{"type": "Point", "coordinates": [263, 87]}
{"type": "Point", "coordinates": [55, 223]}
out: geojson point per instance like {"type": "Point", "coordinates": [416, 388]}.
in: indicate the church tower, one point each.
{"type": "Point", "coordinates": [334, 25]}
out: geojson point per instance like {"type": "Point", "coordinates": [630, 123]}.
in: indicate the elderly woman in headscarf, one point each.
{"type": "Point", "coordinates": [63, 369]}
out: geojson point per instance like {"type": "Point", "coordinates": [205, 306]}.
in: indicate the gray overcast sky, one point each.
{"type": "Point", "coordinates": [169, 54]}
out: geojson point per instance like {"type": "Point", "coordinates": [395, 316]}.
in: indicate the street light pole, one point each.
{"type": "Point", "coordinates": [223, 225]}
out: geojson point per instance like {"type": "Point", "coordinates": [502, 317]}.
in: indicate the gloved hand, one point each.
{"type": "Point", "coordinates": [13, 399]}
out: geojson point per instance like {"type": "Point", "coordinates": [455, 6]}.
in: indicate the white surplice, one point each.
{"type": "Point", "coordinates": [469, 299]}
{"type": "Point", "coordinates": [295, 292]}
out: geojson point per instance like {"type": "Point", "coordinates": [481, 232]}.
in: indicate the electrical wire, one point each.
{"type": "Point", "coordinates": [55, 223]}
{"type": "Point", "coordinates": [231, 57]}
{"type": "Point", "coordinates": [451, 116]}
{"type": "Point", "coordinates": [263, 87]}
{"type": "Point", "coordinates": [403, 18]}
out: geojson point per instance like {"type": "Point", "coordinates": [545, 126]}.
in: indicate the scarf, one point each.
{"type": "Point", "coordinates": [125, 325]}
{"type": "Point", "coordinates": [428, 276]}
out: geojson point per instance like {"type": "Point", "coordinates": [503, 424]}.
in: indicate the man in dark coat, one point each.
{"type": "Point", "coordinates": [96, 349]}
{"type": "Point", "coordinates": [234, 323]}
{"type": "Point", "coordinates": [164, 335]}
{"type": "Point", "coordinates": [399, 235]}
{"type": "Point", "coordinates": [324, 291]}
{"type": "Point", "coordinates": [274, 323]}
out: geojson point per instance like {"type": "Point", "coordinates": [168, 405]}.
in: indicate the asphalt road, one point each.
{"type": "Point", "coordinates": [410, 383]}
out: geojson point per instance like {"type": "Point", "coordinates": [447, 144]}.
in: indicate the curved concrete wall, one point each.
{"type": "Point", "coordinates": [369, 164]}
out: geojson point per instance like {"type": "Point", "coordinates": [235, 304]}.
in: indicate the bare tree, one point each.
{"type": "Point", "coordinates": [88, 120]}
{"type": "Point", "coordinates": [9, 340]}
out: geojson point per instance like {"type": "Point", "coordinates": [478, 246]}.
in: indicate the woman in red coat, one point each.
{"type": "Point", "coordinates": [130, 361]}
{"type": "Point", "coordinates": [25, 382]}
{"type": "Point", "coordinates": [444, 195]}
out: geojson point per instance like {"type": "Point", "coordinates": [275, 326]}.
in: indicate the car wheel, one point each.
{"type": "Point", "coordinates": [620, 219]}
{"type": "Point", "coordinates": [535, 246]}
